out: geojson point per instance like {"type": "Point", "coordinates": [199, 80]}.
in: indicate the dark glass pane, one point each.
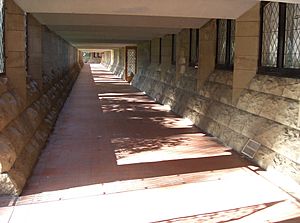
{"type": "Point", "coordinates": [222, 34]}
{"type": "Point", "coordinates": [194, 46]}
{"type": "Point", "coordinates": [270, 34]}
{"type": "Point", "coordinates": [2, 58]}
{"type": "Point", "coordinates": [173, 48]}
{"type": "Point", "coordinates": [292, 36]}
{"type": "Point", "coordinates": [232, 41]}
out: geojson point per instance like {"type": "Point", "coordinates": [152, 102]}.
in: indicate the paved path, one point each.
{"type": "Point", "coordinates": [117, 156]}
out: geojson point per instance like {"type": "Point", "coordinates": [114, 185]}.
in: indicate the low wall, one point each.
{"type": "Point", "coordinates": [267, 111]}
{"type": "Point", "coordinates": [39, 75]}
{"type": "Point", "coordinates": [25, 130]}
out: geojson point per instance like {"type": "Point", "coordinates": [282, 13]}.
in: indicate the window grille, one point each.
{"type": "Point", "coordinates": [280, 39]}
{"type": "Point", "coordinates": [173, 49]}
{"type": "Point", "coordinates": [194, 47]}
{"type": "Point", "coordinates": [2, 56]}
{"type": "Point", "coordinates": [225, 43]}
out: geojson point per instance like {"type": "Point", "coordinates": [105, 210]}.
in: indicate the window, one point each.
{"type": "Point", "coordinates": [26, 43]}
{"type": "Point", "coordinates": [194, 47]}
{"type": "Point", "coordinates": [159, 53]}
{"type": "Point", "coordinates": [173, 49]}
{"type": "Point", "coordinates": [280, 39]}
{"type": "Point", "coordinates": [2, 51]}
{"type": "Point", "coordinates": [225, 43]}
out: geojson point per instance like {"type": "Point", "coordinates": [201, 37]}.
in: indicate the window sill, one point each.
{"type": "Point", "coordinates": [279, 72]}
{"type": "Point", "coordinates": [224, 67]}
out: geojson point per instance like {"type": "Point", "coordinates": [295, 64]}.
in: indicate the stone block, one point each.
{"type": "Point", "coordinates": [212, 76]}
{"type": "Point", "coordinates": [15, 59]}
{"type": "Point", "coordinates": [255, 126]}
{"type": "Point", "coordinates": [238, 120]}
{"type": "Point", "coordinates": [226, 95]}
{"type": "Point", "coordinates": [244, 100]}
{"type": "Point", "coordinates": [247, 28]}
{"type": "Point", "coordinates": [7, 154]}
{"type": "Point", "coordinates": [226, 135]}
{"type": "Point", "coordinates": [222, 76]}
{"type": "Point", "coordinates": [257, 82]}
{"type": "Point", "coordinates": [9, 109]}
{"type": "Point", "coordinates": [246, 46]}
{"type": "Point", "coordinates": [274, 85]}
{"type": "Point", "coordinates": [271, 107]}
{"type": "Point", "coordinates": [286, 141]}
{"type": "Point", "coordinates": [288, 112]}
{"type": "Point", "coordinates": [245, 62]}
{"type": "Point", "coordinates": [213, 128]}
{"type": "Point", "coordinates": [237, 141]}
{"type": "Point", "coordinates": [201, 105]}
{"type": "Point", "coordinates": [15, 22]}
{"type": "Point", "coordinates": [15, 41]}
{"type": "Point", "coordinates": [242, 78]}
{"type": "Point", "coordinates": [269, 135]}
{"type": "Point", "coordinates": [17, 80]}
{"type": "Point", "coordinates": [258, 101]}
{"type": "Point", "coordinates": [292, 89]}
{"type": "Point", "coordinates": [3, 86]}
{"type": "Point", "coordinates": [213, 111]}
{"type": "Point", "coordinates": [225, 113]}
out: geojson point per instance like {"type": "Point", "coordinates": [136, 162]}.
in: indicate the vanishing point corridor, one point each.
{"type": "Point", "coordinates": [115, 155]}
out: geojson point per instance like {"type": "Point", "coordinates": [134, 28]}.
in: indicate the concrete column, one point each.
{"type": "Point", "coordinates": [182, 52]}
{"type": "Point", "coordinates": [207, 54]}
{"type": "Point", "coordinates": [246, 50]}
{"type": "Point", "coordinates": [35, 50]}
{"type": "Point", "coordinates": [15, 48]}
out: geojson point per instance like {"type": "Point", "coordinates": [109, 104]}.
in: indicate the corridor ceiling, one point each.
{"type": "Point", "coordinates": [94, 24]}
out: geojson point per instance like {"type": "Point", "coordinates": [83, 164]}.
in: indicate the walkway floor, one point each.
{"type": "Point", "coordinates": [117, 156]}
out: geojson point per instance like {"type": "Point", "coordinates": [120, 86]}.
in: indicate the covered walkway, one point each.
{"type": "Point", "coordinates": [117, 156]}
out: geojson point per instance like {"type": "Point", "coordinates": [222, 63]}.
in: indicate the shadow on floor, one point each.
{"type": "Point", "coordinates": [92, 135]}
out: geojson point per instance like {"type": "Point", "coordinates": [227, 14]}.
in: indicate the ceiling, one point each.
{"type": "Point", "coordinates": [93, 24]}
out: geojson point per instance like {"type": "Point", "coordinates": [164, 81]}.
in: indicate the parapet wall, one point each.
{"type": "Point", "coordinates": [32, 93]}
{"type": "Point", "coordinates": [267, 111]}
{"type": "Point", "coordinates": [24, 130]}
{"type": "Point", "coordinates": [117, 64]}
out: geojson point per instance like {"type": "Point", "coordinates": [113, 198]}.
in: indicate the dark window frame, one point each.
{"type": "Point", "coordinates": [27, 43]}
{"type": "Point", "coordinates": [3, 74]}
{"type": "Point", "coordinates": [279, 70]}
{"type": "Point", "coordinates": [194, 63]}
{"type": "Point", "coordinates": [173, 50]}
{"type": "Point", "coordinates": [227, 65]}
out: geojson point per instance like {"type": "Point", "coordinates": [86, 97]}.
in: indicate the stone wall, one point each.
{"type": "Point", "coordinates": [30, 96]}
{"type": "Point", "coordinates": [118, 66]}
{"type": "Point", "coordinates": [115, 61]}
{"type": "Point", "coordinates": [233, 106]}
{"type": "Point", "coordinates": [107, 59]}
